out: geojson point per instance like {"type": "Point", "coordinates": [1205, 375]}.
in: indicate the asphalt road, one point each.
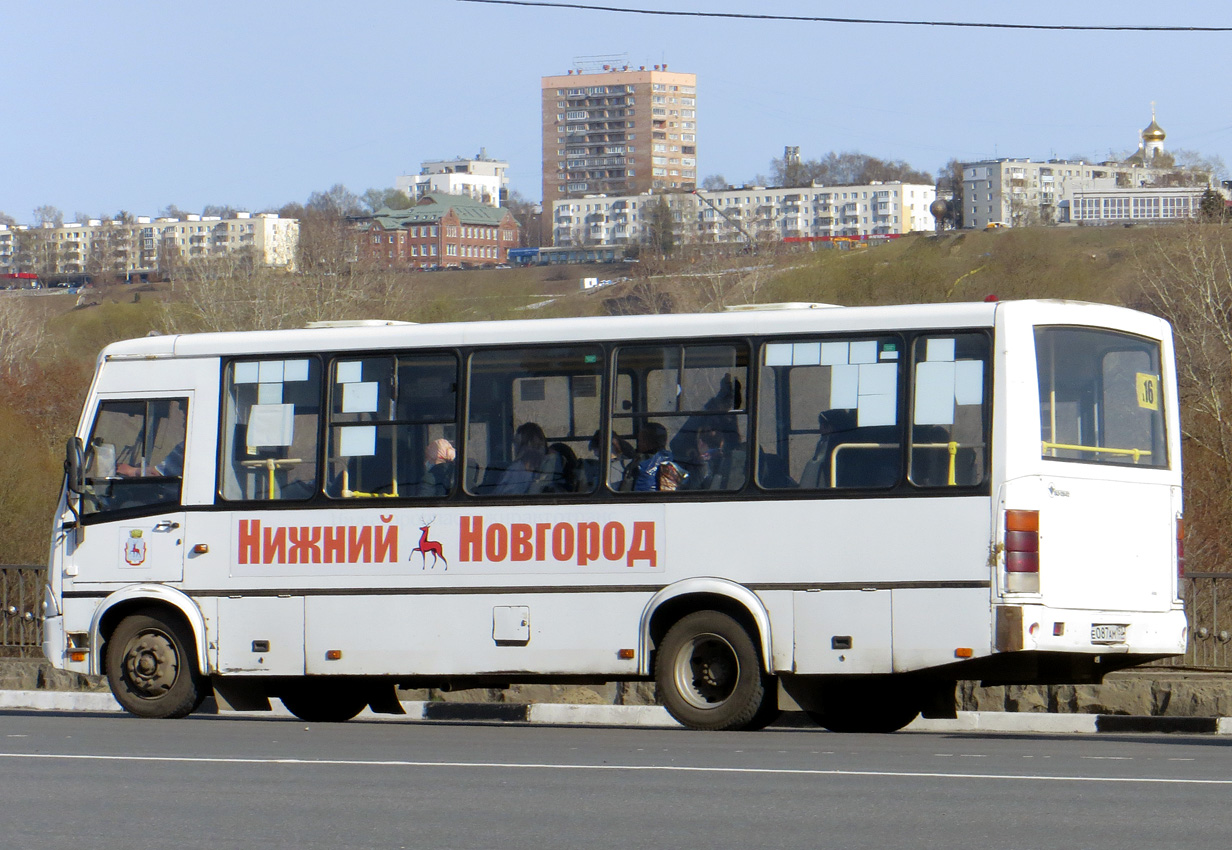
{"type": "Point", "coordinates": [93, 781]}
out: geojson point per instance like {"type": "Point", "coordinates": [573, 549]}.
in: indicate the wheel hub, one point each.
{"type": "Point", "coordinates": [150, 664]}
{"type": "Point", "coordinates": [707, 671]}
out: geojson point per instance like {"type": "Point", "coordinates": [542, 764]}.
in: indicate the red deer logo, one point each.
{"type": "Point", "coordinates": [425, 546]}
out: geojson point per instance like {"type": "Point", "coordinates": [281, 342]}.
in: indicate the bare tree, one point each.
{"type": "Point", "coordinates": [48, 214]}
{"type": "Point", "coordinates": [220, 210]}
{"type": "Point", "coordinates": [951, 183]}
{"type": "Point", "coordinates": [21, 334]}
{"type": "Point", "coordinates": [848, 167]}
{"type": "Point", "coordinates": [337, 202]}
{"type": "Point", "coordinates": [395, 199]}
{"type": "Point", "coordinates": [1186, 277]}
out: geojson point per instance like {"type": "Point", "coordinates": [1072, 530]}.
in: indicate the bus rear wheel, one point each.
{"type": "Point", "coordinates": [708, 673]}
{"type": "Point", "coordinates": [152, 667]}
{"type": "Point", "coordinates": [325, 701]}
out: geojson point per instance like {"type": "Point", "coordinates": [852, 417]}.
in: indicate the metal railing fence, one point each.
{"type": "Point", "coordinates": [21, 621]}
{"type": "Point", "coordinates": [1208, 605]}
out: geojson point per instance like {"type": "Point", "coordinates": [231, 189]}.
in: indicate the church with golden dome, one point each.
{"type": "Point", "coordinates": [1150, 142]}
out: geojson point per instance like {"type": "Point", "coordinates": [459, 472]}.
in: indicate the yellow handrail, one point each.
{"type": "Point", "coordinates": [951, 447]}
{"type": "Point", "coordinates": [348, 493]}
{"type": "Point", "coordinates": [270, 465]}
{"type": "Point", "coordinates": [1137, 454]}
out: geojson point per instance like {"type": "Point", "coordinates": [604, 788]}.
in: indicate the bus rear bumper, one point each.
{"type": "Point", "coordinates": [1066, 630]}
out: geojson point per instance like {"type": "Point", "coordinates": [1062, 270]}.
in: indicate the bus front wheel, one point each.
{"type": "Point", "coordinates": [327, 701]}
{"type": "Point", "coordinates": [709, 675]}
{"type": "Point", "coordinates": [152, 667]}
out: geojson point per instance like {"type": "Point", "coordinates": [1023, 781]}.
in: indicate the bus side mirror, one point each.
{"type": "Point", "coordinates": [75, 466]}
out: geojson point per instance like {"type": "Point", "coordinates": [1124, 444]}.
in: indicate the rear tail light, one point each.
{"type": "Point", "coordinates": [1022, 551]}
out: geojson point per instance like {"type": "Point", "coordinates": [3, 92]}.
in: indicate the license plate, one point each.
{"type": "Point", "coordinates": [1107, 634]}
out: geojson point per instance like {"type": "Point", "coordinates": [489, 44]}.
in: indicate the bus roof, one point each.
{"type": "Point", "coordinates": [379, 335]}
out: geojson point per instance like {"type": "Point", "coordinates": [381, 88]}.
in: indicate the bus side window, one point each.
{"type": "Point", "coordinates": [271, 416]}
{"type": "Point", "coordinates": [949, 410]}
{"type": "Point", "coordinates": [392, 430]}
{"type": "Point", "coordinates": [531, 416]}
{"type": "Point", "coordinates": [135, 455]}
{"type": "Point", "coordinates": [829, 414]}
{"type": "Point", "coordinates": [683, 412]}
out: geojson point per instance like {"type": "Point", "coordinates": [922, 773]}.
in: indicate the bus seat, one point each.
{"type": "Point", "coordinates": [832, 425]}
{"type": "Point", "coordinates": [865, 457]}
{"type": "Point", "coordinates": [772, 471]}
{"type": "Point", "coordinates": [930, 455]}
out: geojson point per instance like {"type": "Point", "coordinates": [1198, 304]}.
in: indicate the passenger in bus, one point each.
{"type": "Point", "coordinates": [561, 472]}
{"type": "Point", "coordinates": [617, 461]}
{"type": "Point", "coordinates": [719, 458]}
{"type": "Point", "coordinates": [440, 468]}
{"type": "Point", "coordinates": [653, 467]}
{"type": "Point", "coordinates": [728, 397]}
{"type": "Point", "coordinates": [530, 451]}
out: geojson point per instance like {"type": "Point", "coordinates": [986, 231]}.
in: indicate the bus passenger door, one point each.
{"type": "Point", "coordinates": [132, 520]}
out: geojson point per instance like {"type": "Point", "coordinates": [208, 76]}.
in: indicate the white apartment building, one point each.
{"type": "Point", "coordinates": [480, 178]}
{"type": "Point", "coordinates": [145, 246]}
{"type": "Point", "coordinates": [1019, 192]}
{"type": "Point", "coordinates": [751, 213]}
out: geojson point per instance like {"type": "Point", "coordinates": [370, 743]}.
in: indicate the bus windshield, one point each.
{"type": "Point", "coordinates": [1100, 397]}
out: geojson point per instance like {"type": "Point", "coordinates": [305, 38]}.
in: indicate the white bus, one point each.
{"type": "Point", "coordinates": [836, 510]}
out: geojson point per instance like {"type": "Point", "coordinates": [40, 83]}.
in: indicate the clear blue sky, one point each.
{"type": "Point", "coordinates": [255, 103]}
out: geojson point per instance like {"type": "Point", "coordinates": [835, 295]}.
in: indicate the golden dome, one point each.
{"type": "Point", "coordinates": [1153, 133]}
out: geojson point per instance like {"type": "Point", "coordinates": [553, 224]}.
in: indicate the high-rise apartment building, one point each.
{"type": "Point", "coordinates": [619, 132]}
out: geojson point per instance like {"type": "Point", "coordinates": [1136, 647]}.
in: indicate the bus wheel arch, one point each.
{"type": "Point", "coordinates": [129, 600]}
{"type": "Point", "coordinates": [711, 661]}
{"type": "Point", "coordinates": [151, 662]}
{"type": "Point", "coordinates": [673, 603]}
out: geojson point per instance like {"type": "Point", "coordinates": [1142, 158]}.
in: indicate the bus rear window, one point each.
{"type": "Point", "coordinates": [1100, 397]}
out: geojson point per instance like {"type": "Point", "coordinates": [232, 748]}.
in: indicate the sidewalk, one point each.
{"type": "Point", "coordinates": [651, 716]}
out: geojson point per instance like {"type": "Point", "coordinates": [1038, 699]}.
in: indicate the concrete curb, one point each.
{"type": "Point", "coordinates": [653, 716]}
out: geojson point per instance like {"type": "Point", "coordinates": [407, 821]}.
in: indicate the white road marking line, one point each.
{"type": "Point", "coordinates": [644, 768]}
{"type": "Point", "coordinates": [1107, 758]}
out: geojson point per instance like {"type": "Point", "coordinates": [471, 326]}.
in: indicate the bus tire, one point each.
{"type": "Point", "coordinates": [324, 701]}
{"type": "Point", "coordinates": [152, 666]}
{"type": "Point", "coordinates": [768, 713]}
{"type": "Point", "coordinates": [708, 672]}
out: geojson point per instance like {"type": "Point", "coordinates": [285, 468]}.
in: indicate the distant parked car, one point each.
{"type": "Point", "coordinates": [503, 266]}
{"type": "Point", "coordinates": [995, 225]}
